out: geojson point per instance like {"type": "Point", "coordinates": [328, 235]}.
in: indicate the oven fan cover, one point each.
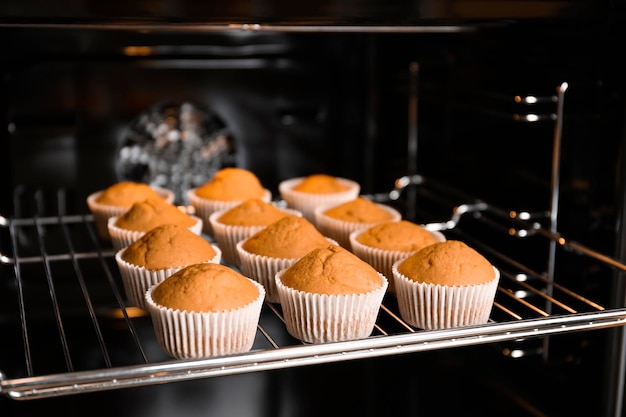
{"type": "Point", "coordinates": [176, 145]}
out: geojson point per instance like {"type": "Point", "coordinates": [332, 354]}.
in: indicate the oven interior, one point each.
{"type": "Point", "coordinates": [451, 113]}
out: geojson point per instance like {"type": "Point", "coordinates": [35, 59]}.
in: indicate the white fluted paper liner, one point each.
{"type": "Point", "coordinates": [431, 306]}
{"type": "Point", "coordinates": [340, 229]}
{"type": "Point", "coordinates": [191, 335]}
{"type": "Point", "coordinates": [306, 203]}
{"type": "Point", "coordinates": [227, 235]}
{"type": "Point", "coordinates": [137, 279]}
{"type": "Point", "coordinates": [382, 259]}
{"type": "Point", "coordinates": [204, 207]}
{"type": "Point", "coordinates": [102, 212]}
{"type": "Point", "coordinates": [321, 318]}
{"type": "Point", "coordinates": [263, 269]}
{"type": "Point", "coordinates": [120, 238]}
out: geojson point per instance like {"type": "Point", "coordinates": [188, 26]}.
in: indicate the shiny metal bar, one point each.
{"type": "Point", "coordinates": [53, 297]}
{"type": "Point", "coordinates": [246, 27]}
{"type": "Point", "coordinates": [292, 356]}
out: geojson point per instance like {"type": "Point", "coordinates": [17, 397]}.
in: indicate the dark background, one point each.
{"type": "Point", "coordinates": [299, 103]}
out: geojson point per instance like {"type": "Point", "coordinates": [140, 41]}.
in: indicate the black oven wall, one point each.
{"type": "Point", "coordinates": [295, 104]}
{"type": "Point", "coordinates": [290, 104]}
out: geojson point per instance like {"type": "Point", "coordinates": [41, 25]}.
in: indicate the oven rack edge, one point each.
{"type": "Point", "coordinates": [381, 343]}
{"type": "Point", "coordinates": [54, 385]}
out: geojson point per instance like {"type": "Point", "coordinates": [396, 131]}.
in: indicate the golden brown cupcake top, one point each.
{"type": "Point", "coordinates": [207, 287]}
{"type": "Point", "coordinates": [447, 263]}
{"type": "Point", "coordinates": [290, 237]}
{"type": "Point", "coordinates": [125, 193]}
{"type": "Point", "coordinates": [359, 210]}
{"type": "Point", "coordinates": [168, 246]}
{"type": "Point", "coordinates": [402, 235]}
{"type": "Point", "coordinates": [147, 214]}
{"type": "Point", "coordinates": [320, 184]}
{"type": "Point", "coordinates": [231, 184]}
{"type": "Point", "coordinates": [252, 212]}
{"type": "Point", "coordinates": [331, 270]}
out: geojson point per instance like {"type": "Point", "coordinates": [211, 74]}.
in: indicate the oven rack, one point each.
{"type": "Point", "coordinates": [75, 332]}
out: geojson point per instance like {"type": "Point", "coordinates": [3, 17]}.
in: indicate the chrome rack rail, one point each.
{"type": "Point", "coordinates": [292, 356]}
{"type": "Point", "coordinates": [59, 276]}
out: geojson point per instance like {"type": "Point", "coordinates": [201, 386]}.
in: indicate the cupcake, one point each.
{"type": "Point", "coordinates": [278, 246]}
{"type": "Point", "coordinates": [159, 253]}
{"type": "Point", "coordinates": [305, 194]}
{"type": "Point", "coordinates": [339, 221]}
{"type": "Point", "coordinates": [242, 221]}
{"type": "Point", "coordinates": [226, 189]}
{"type": "Point", "coordinates": [205, 310]}
{"type": "Point", "coordinates": [446, 284]}
{"type": "Point", "coordinates": [330, 295]}
{"type": "Point", "coordinates": [146, 215]}
{"type": "Point", "coordinates": [383, 244]}
{"type": "Point", "coordinates": [119, 197]}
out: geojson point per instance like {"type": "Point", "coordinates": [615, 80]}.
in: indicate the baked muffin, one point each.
{"type": "Point", "coordinates": [445, 284]}
{"type": "Point", "coordinates": [205, 310]}
{"type": "Point", "coordinates": [305, 194]}
{"type": "Point", "coordinates": [242, 221]}
{"type": "Point", "coordinates": [383, 244]}
{"type": "Point", "coordinates": [330, 295]}
{"type": "Point", "coordinates": [159, 253]}
{"type": "Point", "coordinates": [339, 221]}
{"type": "Point", "coordinates": [226, 189]}
{"type": "Point", "coordinates": [278, 246]}
{"type": "Point", "coordinates": [146, 215]}
{"type": "Point", "coordinates": [119, 197]}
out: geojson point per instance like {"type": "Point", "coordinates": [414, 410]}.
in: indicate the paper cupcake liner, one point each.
{"type": "Point", "coordinates": [430, 306]}
{"type": "Point", "coordinates": [102, 212]}
{"type": "Point", "coordinates": [306, 203]}
{"type": "Point", "coordinates": [136, 279]}
{"type": "Point", "coordinates": [321, 318]}
{"type": "Point", "coordinates": [120, 238]}
{"type": "Point", "coordinates": [205, 207]}
{"type": "Point", "coordinates": [191, 335]}
{"type": "Point", "coordinates": [227, 235]}
{"type": "Point", "coordinates": [382, 259]}
{"type": "Point", "coordinates": [263, 269]}
{"type": "Point", "coordinates": [340, 230]}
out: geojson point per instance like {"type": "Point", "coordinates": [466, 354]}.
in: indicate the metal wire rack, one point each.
{"type": "Point", "coordinates": [69, 328]}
